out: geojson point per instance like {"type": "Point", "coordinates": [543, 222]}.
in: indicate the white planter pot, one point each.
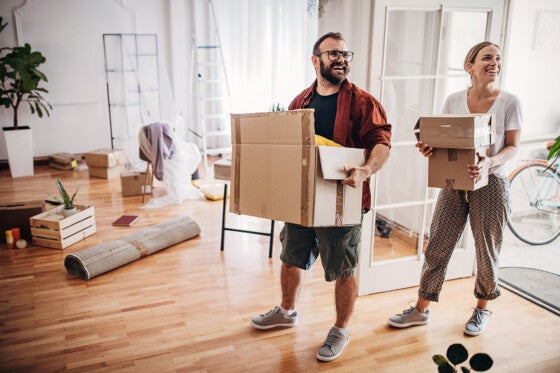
{"type": "Point", "coordinates": [19, 146]}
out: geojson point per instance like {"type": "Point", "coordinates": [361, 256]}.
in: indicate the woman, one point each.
{"type": "Point", "coordinates": [486, 207]}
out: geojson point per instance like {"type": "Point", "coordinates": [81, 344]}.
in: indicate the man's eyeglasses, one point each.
{"type": "Point", "coordinates": [335, 55]}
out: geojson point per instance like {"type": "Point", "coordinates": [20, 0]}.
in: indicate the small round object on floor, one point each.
{"type": "Point", "coordinates": [21, 244]}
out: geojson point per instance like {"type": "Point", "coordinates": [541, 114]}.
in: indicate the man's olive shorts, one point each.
{"type": "Point", "coordinates": [337, 246]}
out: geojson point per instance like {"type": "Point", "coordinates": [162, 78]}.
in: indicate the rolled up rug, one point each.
{"type": "Point", "coordinates": [96, 260]}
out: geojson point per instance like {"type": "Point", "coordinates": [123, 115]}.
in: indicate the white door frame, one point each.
{"type": "Point", "coordinates": [402, 272]}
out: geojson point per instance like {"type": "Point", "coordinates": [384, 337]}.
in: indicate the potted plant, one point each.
{"type": "Point", "coordinates": [20, 82]}
{"type": "Point", "coordinates": [65, 199]}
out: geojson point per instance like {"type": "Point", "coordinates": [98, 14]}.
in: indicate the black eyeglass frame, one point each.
{"type": "Point", "coordinates": [334, 55]}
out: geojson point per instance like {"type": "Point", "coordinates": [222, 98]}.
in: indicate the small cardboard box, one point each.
{"type": "Point", "coordinates": [104, 172]}
{"type": "Point", "coordinates": [63, 161]}
{"type": "Point", "coordinates": [222, 169]}
{"type": "Point", "coordinates": [16, 215]}
{"type": "Point", "coordinates": [465, 131]}
{"type": "Point", "coordinates": [279, 173]}
{"type": "Point", "coordinates": [52, 229]}
{"type": "Point", "coordinates": [447, 168]}
{"type": "Point", "coordinates": [105, 158]}
{"type": "Point", "coordinates": [132, 183]}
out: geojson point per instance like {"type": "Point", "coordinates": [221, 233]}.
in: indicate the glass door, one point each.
{"type": "Point", "coordinates": [417, 61]}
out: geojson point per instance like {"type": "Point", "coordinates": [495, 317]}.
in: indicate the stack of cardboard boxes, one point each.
{"type": "Point", "coordinates": [105, 163]}
{"type": "Point", "coordinates": [457, 140]}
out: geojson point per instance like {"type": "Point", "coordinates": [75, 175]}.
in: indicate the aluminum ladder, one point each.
{"type": "Point", "coordinates": [212, 91]}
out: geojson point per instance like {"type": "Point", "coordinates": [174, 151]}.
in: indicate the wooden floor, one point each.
{"type": "Point", "coordinates": [187, 308]}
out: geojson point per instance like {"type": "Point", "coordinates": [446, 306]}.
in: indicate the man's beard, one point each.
{"type": "Point", "coordinates": [327, 74]}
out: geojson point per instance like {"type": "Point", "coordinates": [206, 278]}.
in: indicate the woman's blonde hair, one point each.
{"type": "Point", "coordinates": [474, 52]}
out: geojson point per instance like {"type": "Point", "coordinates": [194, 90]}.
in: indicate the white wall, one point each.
{"type": "Point", "coordinates": [69, 34]}
{"type": "Point", "coordinates": [532, 65]}
{"type": "Point", "coordinates": [353, 20]}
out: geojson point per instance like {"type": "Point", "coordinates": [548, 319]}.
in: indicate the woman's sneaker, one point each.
{"type": "Point", "coordinates": [274, 318]}
{"type": "Point", "coordinates": [477, 322]}
{"type": "Point", "coordinates": [409, 317]}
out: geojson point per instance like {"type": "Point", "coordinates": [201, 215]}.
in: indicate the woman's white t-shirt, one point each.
{"type": "Point", "coordinates": [507, 111]}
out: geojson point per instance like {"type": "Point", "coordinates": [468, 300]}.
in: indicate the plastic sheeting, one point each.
{"type": "Point", "coordinates": [177, 175]}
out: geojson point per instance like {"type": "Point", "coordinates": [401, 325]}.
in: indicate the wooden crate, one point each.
{"type": "Point", "coordinates": [51, 229]}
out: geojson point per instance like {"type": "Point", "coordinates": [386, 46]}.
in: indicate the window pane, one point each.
{"type": "Point", "coordinates": [404, 101]}
{"type": "Point", "coordinates": [397, 238]}
{"type": "Point", "coordinates": [448, 86]}
{"type": "Point", "coordinates": [461, 31]}
{"type": "Point", "coordinates": [411, 42]}
{"type": "Point", "coordinates": [404, 177]}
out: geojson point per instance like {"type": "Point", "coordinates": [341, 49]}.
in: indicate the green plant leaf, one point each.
{"type": "Point", "coordinates": [457, 353]}
{"type": "Point", "coordinates": [555, 149]}
{"type": "Point", "coordinates": [56, 199]}
{"type": "Point", "coordinates": [446, 368]}
{"type": "Point", "coordinates": [439, 359]}
{"type": "Point", "coordinates": [481, 362]}
{"type": "Point", "coordinates": [65, 197]}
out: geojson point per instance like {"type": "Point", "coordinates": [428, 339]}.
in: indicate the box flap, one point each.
{"type": "Point", "coordinates": [333, 159]}
{"type": "Point", "coordinates": [293, 127]}
{"type": "Point", "coordinates": [416, 130]}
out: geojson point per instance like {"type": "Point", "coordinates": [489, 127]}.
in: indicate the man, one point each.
{"type": "Point", "coordinates": [353, 118]}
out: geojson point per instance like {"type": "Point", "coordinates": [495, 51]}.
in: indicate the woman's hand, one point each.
{"type": "Point", "coordinates": [481, 168]}
{"type": "Point", "coordinates": [425, 149]}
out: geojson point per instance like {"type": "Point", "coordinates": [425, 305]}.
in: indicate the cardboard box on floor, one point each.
{"type": "Point", "coordinates": [279, 173]}
{"type": "Point", "coordinates": [132, 183]}
{"type": "Point", "coordinates": [105, 172]}
{"type": "Point", "coordinates": [456, 139]}
{"type": "Point", "coordinates": [105, 158]}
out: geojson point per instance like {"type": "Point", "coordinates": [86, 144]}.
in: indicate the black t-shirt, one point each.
{"type": "Point", "coordinates": [325, 113]}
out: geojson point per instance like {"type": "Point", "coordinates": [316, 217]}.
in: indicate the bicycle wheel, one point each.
{"type": "Point", "coordinates": [528, 221]}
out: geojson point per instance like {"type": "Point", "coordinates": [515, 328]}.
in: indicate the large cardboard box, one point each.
{"type": "Point", "coordinates": [105, 158]}
{"type": "Point", "coordinates": [447, 168]}
{"type": "Point", "coordinates": [132, 183]}
{"type": "Point", "coordinates": [464, 131]}
{"type": "Point", "coordinates": [279, 173]}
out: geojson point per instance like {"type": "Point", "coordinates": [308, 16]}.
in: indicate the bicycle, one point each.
{"type": "Point", "coordinates": [535, 201]}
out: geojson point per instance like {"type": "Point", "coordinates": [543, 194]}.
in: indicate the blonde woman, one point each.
{"type": "Point", "coordinates": [486, 207]}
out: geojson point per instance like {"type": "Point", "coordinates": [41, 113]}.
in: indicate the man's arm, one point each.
{"type": "Point", "coordinates": [377, 158]}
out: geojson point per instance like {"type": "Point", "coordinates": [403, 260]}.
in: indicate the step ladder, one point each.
{"type": "Point", "coordinates": [213, 129]}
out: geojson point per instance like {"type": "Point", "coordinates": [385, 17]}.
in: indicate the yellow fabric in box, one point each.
{"type": "Point", "coordinates": [320, 140]}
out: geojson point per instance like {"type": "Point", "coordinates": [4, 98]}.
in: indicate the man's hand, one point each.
{"type": "Point", "coordinates": [356, 175]}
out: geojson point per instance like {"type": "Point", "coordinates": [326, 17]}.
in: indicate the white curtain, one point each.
{"type": "Point", "coordinates": [267, 47]}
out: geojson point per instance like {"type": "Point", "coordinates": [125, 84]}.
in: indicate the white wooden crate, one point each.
{"type": "Point", "coordinates": [52, 229]}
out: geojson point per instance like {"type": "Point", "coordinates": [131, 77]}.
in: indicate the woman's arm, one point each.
{"type": "Point", "coordinates": [508, 152]}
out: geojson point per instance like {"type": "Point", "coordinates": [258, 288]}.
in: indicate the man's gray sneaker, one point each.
{"type": "Point", "coordinates": [409, 317]}
{"type": "Point", "coordinates": [477, 322]}
{"type": "Point", "coordinates": [333, 345]}
{"type": "Point", "coordinates": [274, 318]}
